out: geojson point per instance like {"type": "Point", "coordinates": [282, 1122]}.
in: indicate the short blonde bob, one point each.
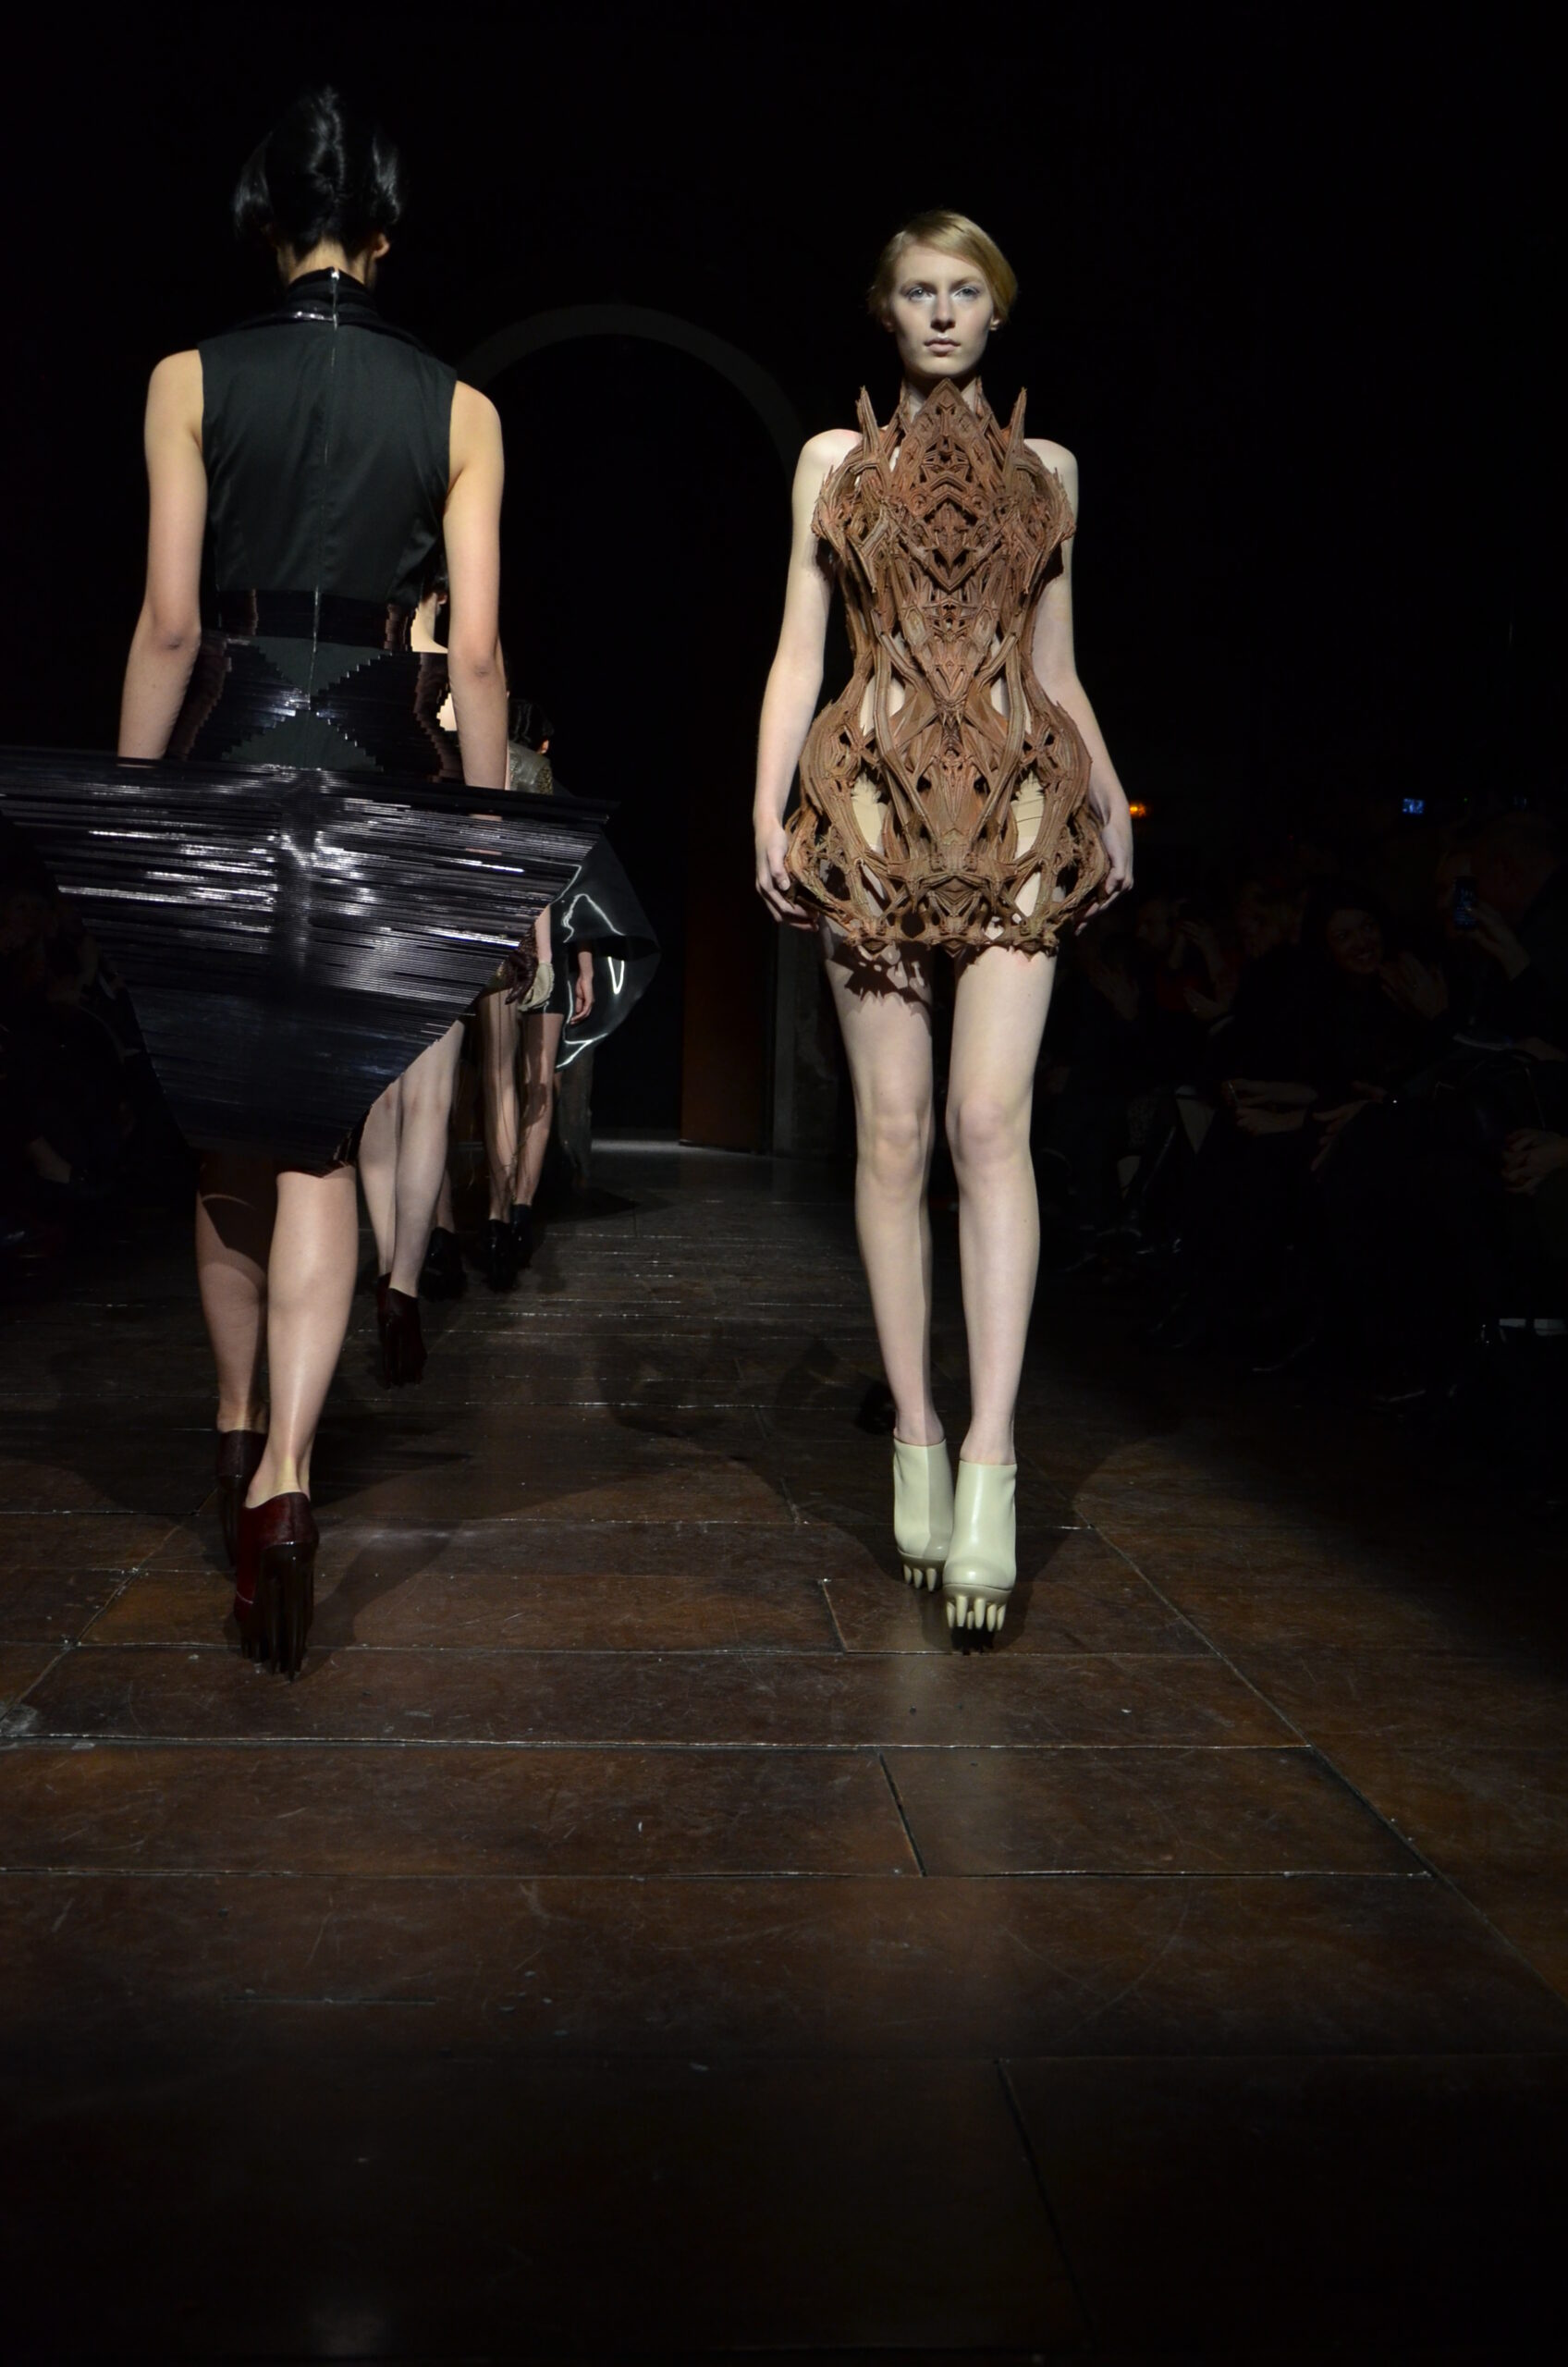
{"type": "Point", "coordinates": [950, 233]}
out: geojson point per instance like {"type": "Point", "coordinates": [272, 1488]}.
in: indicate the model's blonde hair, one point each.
{"type": "Point", "coordinates": [950, 233]}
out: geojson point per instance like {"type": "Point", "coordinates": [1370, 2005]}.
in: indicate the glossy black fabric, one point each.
{"type": "Point", "coordinates": [600, 911]}
{"type": "Point", "coordinates": [306, 897]}
{"type": "Point", "coordinates": [276, 701]}
{"type": "Point", "coordinates": [291, 939]}
{"type": "Point", "coordinates": [325, 435]}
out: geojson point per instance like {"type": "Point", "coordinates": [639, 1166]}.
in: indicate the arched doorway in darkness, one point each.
{"type": "Point", "coordinates": [645, 539]}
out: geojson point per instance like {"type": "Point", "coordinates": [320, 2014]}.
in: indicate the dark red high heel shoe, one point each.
{"type": "Point", "coordinates": [402, 1342]}
{"type": "Point", "coordinates": [274, 1585]}
{"type": "Point", "coordinates": [240, 1455]}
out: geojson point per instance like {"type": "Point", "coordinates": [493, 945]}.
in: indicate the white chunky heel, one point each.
{"type": "Point", "coordinates": [981, 1563]}
{"type": "Point", "coordinates": [922, 1510]}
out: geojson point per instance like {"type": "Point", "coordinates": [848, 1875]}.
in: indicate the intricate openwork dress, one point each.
{"type": "Point", "coordinates": [943, 795]}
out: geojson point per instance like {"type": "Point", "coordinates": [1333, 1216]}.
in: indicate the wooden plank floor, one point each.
{"type": "Point", "coordinates": [640, 1934]}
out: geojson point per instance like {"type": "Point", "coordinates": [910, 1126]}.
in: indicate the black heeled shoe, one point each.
{"type": "Point", "coordinates": [275, 1587]}
{"type": "Point", "coordinates": [442, 1275]}
{"type": "Point", "coordinates": [522, 1231]}
{"type": "Point", "coordinates": [500, 1255]}
{"type": "Point", "coordinates": [239, 1458]}
{"type": "Point", "coordinates": [402, 1342]}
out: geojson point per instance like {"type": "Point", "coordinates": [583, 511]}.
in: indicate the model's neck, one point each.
{"type": "Point", "coordinates": [917, 391]}
{"type": "Point", "coordinates": [328, 256]}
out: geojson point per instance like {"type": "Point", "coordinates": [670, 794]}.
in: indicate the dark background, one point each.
{"type": "Point", "coordinates": [1288, 291]}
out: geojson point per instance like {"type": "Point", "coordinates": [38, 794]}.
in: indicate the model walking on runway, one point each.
{"type": "Point", "coordinates": [322, 458]}
{"type": "Point", "coordinates": [957, 800]}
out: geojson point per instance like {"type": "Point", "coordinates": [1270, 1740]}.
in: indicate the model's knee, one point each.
{"type": "Point", "coordinates": [895, 1146]}
{"type": "Point", "coordinates": [984, 1130]}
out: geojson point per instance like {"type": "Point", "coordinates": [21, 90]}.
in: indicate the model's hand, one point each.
{"type": "Point", "coordinates": [1417, 986]}
{"type": "Point", "coordinates": [1115, 826]}
{"type": "Point", "coordinates": [773, 884]}
{"type": "Point", "coordinates": [1496, 940]}
{"type": "Point", "coordinates": [1111, 979]}
{"type": "Point", "coordinates": [1334, 1122]}
{"type": "Point", "coordinates": [582, 986]}
{"type": "Point", "coordinates": [1530, 1155]}
{"type": "Point", "coordinates": [1255, 1120]}
{"type": "Point", "coordinates": [1263, 1092]}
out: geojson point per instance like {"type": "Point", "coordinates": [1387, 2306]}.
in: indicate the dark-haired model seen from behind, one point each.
{"type": "Point", "coordinates": [321, 459]}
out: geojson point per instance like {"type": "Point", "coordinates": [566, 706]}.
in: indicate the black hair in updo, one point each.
{"type": "Point", "coordinates": [321, 173]}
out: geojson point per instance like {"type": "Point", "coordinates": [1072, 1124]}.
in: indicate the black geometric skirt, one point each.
{"type": "Point", "coordinates": [291, 937]}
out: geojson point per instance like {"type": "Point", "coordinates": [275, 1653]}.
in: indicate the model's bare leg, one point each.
{"type": "Point", "coordinates": [885, 1021]}
{"type": "Point", "coordinates": [310, 1286]}
{"type": "Point", "coordinates": [499, 1022]}
{"type": "Point", "coordinates": [445, 1215]}
{"type": "Point", "coordinates": [378, 1170]}
{"type": "Point", "coordinates": [999, 1018]}
{"type": "Point", "coordinates": [541, 1044]}
{"type": "Point", "coordinates": [235, 1203]}
{"type": "Point", "coordinates": [426, 1091]}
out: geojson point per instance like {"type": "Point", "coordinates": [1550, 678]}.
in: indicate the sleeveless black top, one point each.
{"type": "Point", "coordinates": [325, 435]}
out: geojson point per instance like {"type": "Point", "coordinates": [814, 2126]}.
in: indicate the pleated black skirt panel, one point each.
{"type": "Point", "coordinates": [292, 935]}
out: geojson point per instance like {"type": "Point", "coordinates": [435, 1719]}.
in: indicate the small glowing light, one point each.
{"type": "Point", "coordinates": [1139, 811]}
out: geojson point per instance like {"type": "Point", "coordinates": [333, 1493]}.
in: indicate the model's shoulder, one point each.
{"type": "Point", "coordinates": [173, 393]}
{"type": "Point", "coordinates": [176, 372]}
{"type": "Point", "coordinates": [828, 448]}
{"type": "Point", "coordinates": [472, 408]}
{"type": "Point", "coordinates": [820, 455]}
{"type": "Point", "coordinates": [1057, 458]}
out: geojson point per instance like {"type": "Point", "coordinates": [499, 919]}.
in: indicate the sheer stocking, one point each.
{"type": "Point", "coordinates": [403, 1159]}
{"type": "Point", "coordinates": [309, 1288]}
{"type": "Point", "coordinates": [541, 1043]}
{"type": "Point", "coordinates": [499, 1026]}
{"type": "Point", "coordinates": [236, 1199]}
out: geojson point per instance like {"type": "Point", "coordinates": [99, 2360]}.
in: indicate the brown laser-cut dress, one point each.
{"type": "Point", "coordinates": [931, 815]}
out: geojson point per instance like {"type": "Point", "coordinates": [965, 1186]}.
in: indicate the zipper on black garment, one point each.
{"type": "Point", "coordinates": [321, 506]}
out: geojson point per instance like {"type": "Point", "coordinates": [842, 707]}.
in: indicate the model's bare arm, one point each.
{"type": "Point", "coordinates": [169, 630]}
{"type": "Point", "coordinates": [1056, 670]}
{"type": "Point", "coordinates": [472, 530]}
{"type": "Point", "coordinates": [794, 679]}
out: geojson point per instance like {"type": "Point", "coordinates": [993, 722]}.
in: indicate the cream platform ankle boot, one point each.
{"type": "Point", "coordinates": [981, 1563]}
{"type": "Point", "coordinates": [922, 1510]}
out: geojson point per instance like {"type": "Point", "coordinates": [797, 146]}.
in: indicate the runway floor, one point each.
{"type": "Point", "coordinates": [639, 1932]}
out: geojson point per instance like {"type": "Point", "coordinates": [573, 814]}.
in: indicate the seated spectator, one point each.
{"type": "Point", "coordinates": [1510, 932]}
{"type": "Point", "coordinates": [1133, 1006]}
{"type": "Point", "coordinates": [1346, 1020]}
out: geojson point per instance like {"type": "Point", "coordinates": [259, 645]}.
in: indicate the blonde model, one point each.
{"type": "Point", "coordinates": [957, 802]}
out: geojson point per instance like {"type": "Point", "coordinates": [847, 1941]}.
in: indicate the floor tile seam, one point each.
{"type": "Point", "coordinates": [1225, 1659]}
{"type": "Point", "coordinates": [1110, 1878]}
{"type": "Point", "coordinates": [911, 1844]}
{"type": "Point", "coordinates": [90, 1511]}
{"type": "Point", "coordinates": [1376, 2054]}
{"type": "Point", "coordinates": [650, 1654]}
{"type": "Point", "coordinates": [74, 1745]}
{"type": "Point", "coordinates": [127, 1581]}
{"type": "Point", "coordinates": [57, 1652]}
{"type": "Point", "coordinates": [824, 1596]}
{"type": "Point", "coordinates": [1088, 2322]}
{"type": "Point", "coordinates": [79, 1738]}
{"type": "Point", "coordinates": [26, 1870]}
{"type": "Point", "coordinates": [1447, 1882]}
